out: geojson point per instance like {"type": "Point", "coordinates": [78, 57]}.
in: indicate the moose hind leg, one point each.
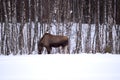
{"type": "Point", "coordinates": [61, 49]}
{"type": "Point", "coordinates": [66, 49]}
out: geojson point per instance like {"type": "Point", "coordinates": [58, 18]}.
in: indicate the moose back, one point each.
{"type": "Point", "coordinates": [48, 41]}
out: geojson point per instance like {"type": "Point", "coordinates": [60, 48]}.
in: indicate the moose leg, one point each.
{"type": "Point", "coordinates": [65, 49]}
{"type": "Point", "coordinates": [48, 49]}
{"type": "Point", "coordinates": [61, 49]}
{"type": "Point", "coordinates": [40, 50]}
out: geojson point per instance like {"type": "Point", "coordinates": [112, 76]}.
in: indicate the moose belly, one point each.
{"type": "Point", "coordinates": [58, 44]}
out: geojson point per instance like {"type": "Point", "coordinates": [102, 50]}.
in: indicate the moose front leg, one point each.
{"type": "Point", "coordinates": [48, 49]}
{"type": "Point", "coordinates": [40, 49]}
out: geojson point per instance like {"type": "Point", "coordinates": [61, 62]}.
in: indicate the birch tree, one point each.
{"type": "Point", "coordinates": [88, 38]}
{"type": "Point", "coordinates": [109, 46]}
{"type": "Point", "coordinates": [21, 38]}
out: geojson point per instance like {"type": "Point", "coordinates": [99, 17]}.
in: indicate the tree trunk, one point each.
{"type": "Point", "coordinates": [109, 46]}
{"type": "Point", "coordinates": [21, 38]}
{"type": "Point", "coordinates": [6, 30]}
{"type": "Point", "coordinates": [88, 38]}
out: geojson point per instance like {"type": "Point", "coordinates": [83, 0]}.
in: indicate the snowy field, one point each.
{"type": "Point", "coordinates": [60, 67]}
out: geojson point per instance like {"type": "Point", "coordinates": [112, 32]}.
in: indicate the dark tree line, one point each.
{"type": "Point", "coordinates": [44, 10]}
{"type": "Point", "coordinates": [23, 22]}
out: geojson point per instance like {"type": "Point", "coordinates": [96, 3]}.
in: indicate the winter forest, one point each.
{"type": "Point", "coordinates": [93, 26]}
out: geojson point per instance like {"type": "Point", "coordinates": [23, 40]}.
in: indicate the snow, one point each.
{"type": "Point", "coordinates": [60, 67]}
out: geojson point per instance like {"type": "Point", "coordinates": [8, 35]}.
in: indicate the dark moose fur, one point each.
{"type": "Point", "coordinates": [48, 41]}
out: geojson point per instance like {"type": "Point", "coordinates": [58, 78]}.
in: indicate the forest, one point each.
{"type": "Point", "coordinates": [93, 26]}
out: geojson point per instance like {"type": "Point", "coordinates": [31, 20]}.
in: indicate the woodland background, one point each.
{"type": "Point", "coordinates": [23, 22]}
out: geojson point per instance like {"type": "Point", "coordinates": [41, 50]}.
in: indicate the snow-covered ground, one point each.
{"type": "Point", "coordinates": [60, 67]}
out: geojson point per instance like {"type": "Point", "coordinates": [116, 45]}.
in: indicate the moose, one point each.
{"type": "Point", "coordinates": [48, 41]}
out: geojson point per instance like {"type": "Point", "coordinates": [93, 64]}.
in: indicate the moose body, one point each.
{"type": "Point", "coordinates": [48, 41]}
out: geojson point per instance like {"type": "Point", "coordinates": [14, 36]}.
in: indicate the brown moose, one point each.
{"type": "Point", "coordinates": [48, 41]}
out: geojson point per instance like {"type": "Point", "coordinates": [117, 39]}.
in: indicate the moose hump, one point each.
{"type": "Point", "coordinates": [48, 41]}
